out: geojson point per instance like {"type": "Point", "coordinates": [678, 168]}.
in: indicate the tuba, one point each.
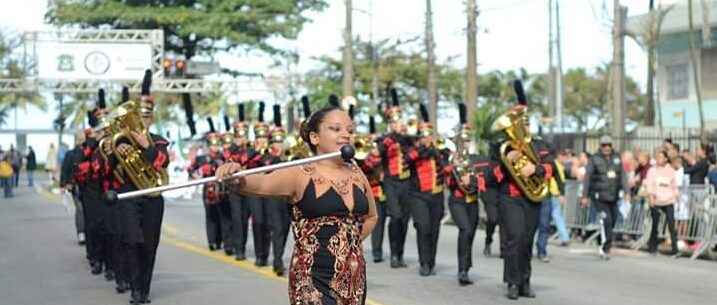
{"type": "Point", "coordinates": [513, 126]}
{"type": "Point", "coordinates": [125, 119]}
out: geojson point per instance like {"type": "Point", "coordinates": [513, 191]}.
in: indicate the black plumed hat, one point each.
{"type": "Point", "coordinates": [101, 104]}
{"type": "Point", "coordinates": [277, 115]}
{"type": "Point", "coordinates": [306, 106]}
{"type": "Point", "coordinates": [462, 114]}
{"type": "Point", "coordinates": [146, 82]}
{"type": "Point", "coordinates": [424, 113]}
{"type": "Point", "coordinates": [211, 125]}
{"type": "Point", "coordinates": [334, 100]}
{"type": "Point", "coordinates": [125, 94]}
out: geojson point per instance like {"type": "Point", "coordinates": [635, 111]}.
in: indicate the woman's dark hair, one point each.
{"type": "Point", "coordinates": [312, 124]}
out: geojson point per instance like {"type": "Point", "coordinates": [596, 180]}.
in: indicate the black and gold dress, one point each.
{"type": "Point", "coordinates": [327, 264]}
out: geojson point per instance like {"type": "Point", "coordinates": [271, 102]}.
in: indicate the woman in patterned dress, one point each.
{"type": "Point", "coordinates": [333, 212]}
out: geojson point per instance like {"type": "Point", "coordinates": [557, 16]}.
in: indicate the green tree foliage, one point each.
{"type": "Point", "coordinates": [12, 66]}
{"type": "Point", "coordinates": [587, 96]}
{"type": "Point", "coordinates": [195, 27]}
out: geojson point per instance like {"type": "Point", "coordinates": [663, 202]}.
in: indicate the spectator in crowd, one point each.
{"type": "Point", "coordinates": [16, 160]}
{"type": "Point", "coordinates": [30, 166]}
{"type": "Point", "coordinates": [578, 169]}
{"type": "Point", "coordinates": [697, 165]}
{"type": "Point", "coordinates": [662, 194]}
{"type": "Point", "coordinates": [67, 183]}
{"type": "Point", "coordinates": [6, 174]}
{"type": "Point", "coordinates": [712, 176]}
{"type": "Point", "coordinates": [682, 212]}
{"type": "Point", "coordinates": [51, 162]}
{"type": "Point", "coordinates": [550, 209]}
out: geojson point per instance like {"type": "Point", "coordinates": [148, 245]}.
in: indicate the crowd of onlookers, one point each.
{"type": "Point", "coordinates": [659, 178]}
{"type": "Point", "coordinates": [12, 162]}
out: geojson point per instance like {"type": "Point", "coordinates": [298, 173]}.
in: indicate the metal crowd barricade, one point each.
{"type": "Point", "coordinates": [576, 216]}
{"type": "Point", "coordinates": [699, 225]}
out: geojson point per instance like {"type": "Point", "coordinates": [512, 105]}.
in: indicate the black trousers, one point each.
{"type": "Point", "coordinates": [466, 217]}
{"type": "Point", "coordinates": [95, 226]}
{"type": "Point", "coordinates": [260, 226]}
{"type": "Point", "coordinates": [520, 220]}
{"type": "Point", "coordinates": [669, 211]}
{"type": "Point", "coordinates": [610, 209]}
{"type": "Point", "coordinates": [490, 200]}
{"type": "Point", "coordinates": [141, 231]}
{"type": "Point", "coordinates": [427, 211]}
{"type": "Point", "coordinates": [377, 234]}
{"type": "Point", "coordinates": [398, 206]}
{"type": "Point", "coordinates": [279, 222]}
{"type": "Point", "coordinates": [218, 223]}
{"type": "Point", "coordinates": [118, 255]}
{"type": "Point", "coordinates": [240, 221]}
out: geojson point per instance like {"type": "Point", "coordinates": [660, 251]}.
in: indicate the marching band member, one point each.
{"type": "Point", "coordinates": [218, 224]}
{"type": "Point", "coordinates": [237, 153]}
{"type": "Point", "coordinates": [277, 209]}
{"type": "Point", "coordinates": [463, 183]}
{"type": "Point", "coordinates": [392, 149]}
{"type": "Point", "coordinates": [332, 212]}
{"type": "Point", "coordinates": [141, 218]}
{"type": "Point", "coordinates": [87, 177]}
{"type": "Point", "coordinates": [519, 205]}
{"type": "Point", "coordinates": [257, 156]}
{"type": "Point", "coordinates": [371, 166]}
{"type": "Point", "coordinates": [427, 163]}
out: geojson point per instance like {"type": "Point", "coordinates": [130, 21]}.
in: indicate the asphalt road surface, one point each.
{"type": "Point", "coordinates": [41, 263]}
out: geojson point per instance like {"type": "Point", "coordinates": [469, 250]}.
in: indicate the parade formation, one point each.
{"type": "Point", "coordinates": [409, 172]}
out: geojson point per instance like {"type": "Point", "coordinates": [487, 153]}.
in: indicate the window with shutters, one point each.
{"type": "Point", "coordinates": [679, 80]}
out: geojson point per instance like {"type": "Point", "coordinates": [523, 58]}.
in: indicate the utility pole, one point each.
{"type": "Point", "coordinates": [432, 83]}
{"type": "Point", "coordinates": [559, 91]}
{"type": "Point", "coordinates": [471, 62]}
{"type": "Point", "coordinates": [552, 109]}
{"type": "Point", "coordinates": [706, 31]}
{"type": "Point", "coordinates": [348, 69]}
{"type": "Point", "coordinates": [618, 75]}
{"type": "Point", "coordinates": [650, 111]}
{"type": "Point", "coordinates": [695, 74]}
{"type": "Point", "coordinates": [374, 59]}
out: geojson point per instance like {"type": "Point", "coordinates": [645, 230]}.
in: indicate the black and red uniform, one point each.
{"type": "Point", "coordinates": [217, 213]}
{"type": "Point", "coordinates": [371, 167]}
{"type": "Point", "coordinates": [140, 219]}
{"type": "Point", "coordinates": [239, 207]}
{"type": "Point", "coordinates": [484, 165]}
{"type": "Point", "coordinates": [261, 222]}
{"type": "Point", "coordinates": [463, 204]}
{"type": "Point", "coordinates": [397, 185]}
{"type": "Point", "coordinates": [519, 220]}
{"type": "Point", "coordinates": [88, 176]}
{"type": "Point", "coordinates": [427, 208]}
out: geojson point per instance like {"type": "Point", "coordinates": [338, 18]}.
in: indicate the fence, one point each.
{"type": "Point", "coordinates": [696, 217]}
{"type": "Point", "coordinates": [590, 143]}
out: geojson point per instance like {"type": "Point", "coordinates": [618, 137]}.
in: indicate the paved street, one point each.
{"type": "Point", "coordinates": [42, 264]}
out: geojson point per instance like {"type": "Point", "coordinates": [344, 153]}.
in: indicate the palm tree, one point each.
{"type": "Point", "coordinates": [12, 67]}
{"type": "Point", "coordinates": [4, 113]}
